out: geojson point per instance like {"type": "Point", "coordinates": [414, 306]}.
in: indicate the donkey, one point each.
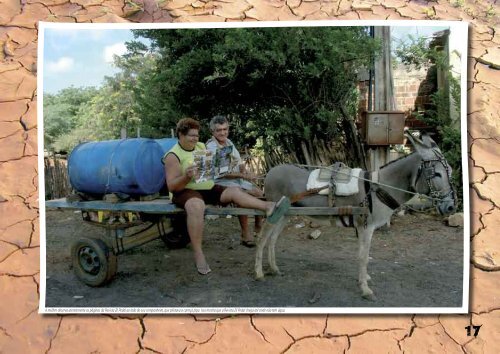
{"type": "Point", "coordinates": [424, 171]}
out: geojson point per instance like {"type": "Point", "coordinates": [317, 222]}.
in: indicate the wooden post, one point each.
{"type": "Point", "coordinates": [383, 93]}
{"type": "Point", "coordinates": [306, 153]}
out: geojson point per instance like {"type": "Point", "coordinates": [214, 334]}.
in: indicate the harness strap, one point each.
{"type": "Point", "coordinates": [331, 199]}
{"type": "Point", "coordinates": [382, 194]}
{"type": "Point", "coordinates": [386, 198]}
{"type": "Point", "coordinates": [347, 224]}
{"type": "Point", "coordinates": [333, 183]}
{"type": "Point", "coordinates": [368, 195]}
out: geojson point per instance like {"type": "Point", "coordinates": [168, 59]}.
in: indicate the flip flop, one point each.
{"type": "Point", "coordinates": [249, 243]}
{"type": "Point", "coordinates": [203, 270]}
{"type": "Point", "coordinates": [280, 209]}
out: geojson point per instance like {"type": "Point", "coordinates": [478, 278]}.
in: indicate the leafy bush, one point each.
{"type": "Point", "coordinates": [418, 53]}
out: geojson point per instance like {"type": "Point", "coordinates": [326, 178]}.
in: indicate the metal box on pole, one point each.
{"type": "Point", "coordinates": [383, 127]}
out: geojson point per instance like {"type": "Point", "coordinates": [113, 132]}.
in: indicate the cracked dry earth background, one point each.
{"type": "Point", "coordinates": [23, 330]}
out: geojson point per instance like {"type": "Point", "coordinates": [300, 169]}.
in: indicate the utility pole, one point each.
{"type": "Point", "coordinates": [383, 93]}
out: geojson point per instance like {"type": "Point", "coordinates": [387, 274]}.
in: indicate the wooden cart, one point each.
{"type": "Point", "coordinates": [134, 223]}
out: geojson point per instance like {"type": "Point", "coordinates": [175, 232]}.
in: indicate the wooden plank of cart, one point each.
{"type": "Point", "coordinates": [133, 223]}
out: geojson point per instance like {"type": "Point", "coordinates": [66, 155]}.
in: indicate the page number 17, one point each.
{"type": "Point", "coordinates": [469, 330]}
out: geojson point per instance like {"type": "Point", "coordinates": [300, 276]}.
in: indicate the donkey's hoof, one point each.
{"type": "Point", "coordinates": [276, 272]}
{"type": "Point", "coordinates": [259, 277]}
{"type": "Point", "coordinates": [369, 297]}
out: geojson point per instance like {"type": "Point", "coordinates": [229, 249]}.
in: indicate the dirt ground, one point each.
{"type": "Point", "coordinates": [417, 262]}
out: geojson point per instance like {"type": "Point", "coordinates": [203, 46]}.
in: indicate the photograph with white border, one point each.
{"type": "Point", "coordinates": [340, 131]}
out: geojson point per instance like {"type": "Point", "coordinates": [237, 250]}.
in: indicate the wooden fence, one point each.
{"type": "Point", "coordinates": [56, 177]}
{"type": "Point", "coordinates": [316, 154]}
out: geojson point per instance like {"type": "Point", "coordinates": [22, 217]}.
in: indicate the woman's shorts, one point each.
{"type": "Point", "coordinates": [209, 196]}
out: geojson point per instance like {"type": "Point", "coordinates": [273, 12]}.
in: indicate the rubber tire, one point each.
{"type": "Point", "coordinates": [179, 238]}
{"type": "Point", "coordinates": [100, 263]}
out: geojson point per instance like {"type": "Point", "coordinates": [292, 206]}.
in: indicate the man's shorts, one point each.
{"type": "Point", "coordinates": [209, 196]}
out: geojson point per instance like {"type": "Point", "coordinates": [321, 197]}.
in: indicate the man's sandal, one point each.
{"type": "Point", "coordinates": [249, 243]}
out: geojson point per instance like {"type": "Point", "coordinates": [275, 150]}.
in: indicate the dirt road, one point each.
{"type": "Point", "coordinates": [417, 262]}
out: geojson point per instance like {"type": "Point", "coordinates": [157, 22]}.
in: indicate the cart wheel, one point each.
{"type": "Point", "coordinates": [93, 262]}
{"type": "Point", "coordinates": [179, 238]}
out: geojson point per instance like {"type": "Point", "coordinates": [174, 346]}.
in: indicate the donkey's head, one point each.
{"type": "Point", "coordinates": [433, 177]}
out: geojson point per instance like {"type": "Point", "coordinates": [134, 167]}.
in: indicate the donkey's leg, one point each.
{"type": "Point", "coordinates": [364, 240]}
{"type": "Point", "coordinates": [272, 245]}
{"type": "Point", "coordinates": [262, 239]}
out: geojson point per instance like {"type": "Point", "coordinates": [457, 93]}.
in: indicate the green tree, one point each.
{"type": "Point", "coordinates": [154, 108]}
{"type": "Point", "coordinates": [77, 115]}
{"type": "Point", "coordinates": [61, 113]}
{"type": "Point", "coordinates": [287, 85]}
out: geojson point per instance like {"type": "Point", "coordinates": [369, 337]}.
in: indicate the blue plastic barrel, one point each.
{"type": "Point", "coordinates": [131, 166]}
{"type": "Point", "coordinates": [166, 144]}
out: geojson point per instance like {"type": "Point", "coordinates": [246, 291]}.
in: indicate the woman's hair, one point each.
{"type": "Point", "coordinates": [186, 124]}
{"type": "Point", "coordinates": [217, 120]}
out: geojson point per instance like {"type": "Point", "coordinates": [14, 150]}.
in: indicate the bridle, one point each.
{"type": "Point", "coordinates": [427, 169]}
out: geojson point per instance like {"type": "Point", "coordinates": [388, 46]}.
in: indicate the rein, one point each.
{"type": "Point", "coordinates": [363, 179]}
{"type": "Point", "coordinates": [383, 195]}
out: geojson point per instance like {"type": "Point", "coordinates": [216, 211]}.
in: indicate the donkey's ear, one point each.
{"type": "Point", "coordinates": [427, 140]}
{"type": "Point", "coordinates": [420, 146]}
{"type": "Point", "coordinates": [412, 138]}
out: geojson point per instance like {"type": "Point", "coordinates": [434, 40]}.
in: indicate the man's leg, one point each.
{"type": "Point", "coordinates": [195, 210]}
{"type": "Point", "coordinates": [256, 192]}
{"type": "Point", "coordinates": [245, 234]}
{"type": "Point", "coordinates": [258, 224]}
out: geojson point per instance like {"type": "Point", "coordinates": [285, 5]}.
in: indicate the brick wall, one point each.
{"type": "Point", "coordinates": [363, 97]}
{"type": "Point", "coordinates": [411, 90]}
